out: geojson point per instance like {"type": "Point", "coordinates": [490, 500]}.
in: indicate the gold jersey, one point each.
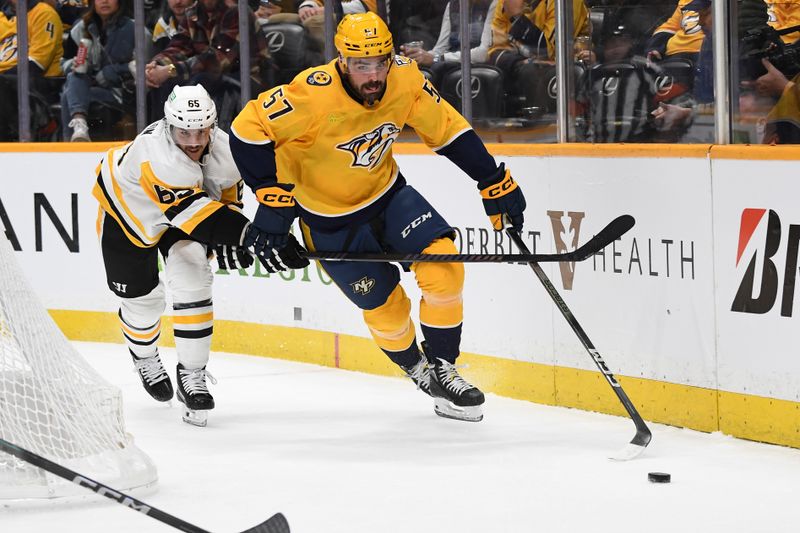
{"type": "Point", "coordinates": [335, 150]}
{"type": "Point", "coordinates": [686, 34]}
{"type": "Point", "coordinates": [784, 14]}
{"type": "Point", "coordinates": [45, 33]}
{"type": "Point", "coordinates": [150, 185]}
{"type": "Point", "coordinates": [543, 16]}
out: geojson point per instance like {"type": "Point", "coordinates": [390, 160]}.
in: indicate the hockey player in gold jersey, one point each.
{"type": "Point", "coordinates": [320, 148]}
{"type": "Point", "coordinates": [173, 189]}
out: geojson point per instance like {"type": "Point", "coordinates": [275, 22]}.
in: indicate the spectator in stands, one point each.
{"type": "Point", "coordinates": [173, 12]}
{"type": "Point", "coordinates": [523, 46]}
{"type": "Point", "coordinates": [783, 121]}
{"type": "Point", "coordinates": [447, 49]}
{"type": "Point", "coordinates": [674, 38]}
{"type": "Point", "coordinates": [45, 50]}
{"type": "Point", "coordinates": [761, 75]}
{"type": "Point", "coordinates": [523, 29]}
{"type": "Point", "coordinates": [772, 84]}
{"type": "Point", "coordinates": [204, 49]}
{"type": "Point", "coordinates": [764, 68]}
{"type": "Point", "coordinates": [271, 12]}
{"type": "Point", "coordinates": [676, 117]}
{"type": "Point", "coordinates": [764, 85]}
{"type": "Point", "coordinates": [311, 16]}
{"type": "Point", "coordinates": [784, 14]}
{"type": "Point", "coordinates": [152, 11]}
{"type": "Point", "coordinates": [621, 29]}
{"type": "Point", "coordinates": [99, 70]}
{"type": "Point", "coordinates": [70, 11]}
{"type": "Point", "coordinates": [311, 8]}
{"type": "Point", "coordinates": [416, 20]}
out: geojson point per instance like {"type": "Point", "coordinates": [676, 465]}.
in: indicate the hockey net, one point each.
{"type": "Point", "coordinates": [54, 404]}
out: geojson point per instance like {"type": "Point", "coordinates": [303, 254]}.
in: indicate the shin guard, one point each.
{"type": "Point", "coordinates": [189, 278]}
{"type": "Point", "coordinates": [441, 308]}
{"type": "Point", "coordinates": [392, 328]}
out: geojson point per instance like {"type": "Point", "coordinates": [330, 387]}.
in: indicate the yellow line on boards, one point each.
{"type": "Point", "coordinates": [99, 147]}
{"type": "Point", "coordinates": [615, 150]}
{"type": "Point", "coordinates": [756, 152]}
{"type": "Point", "coordinates": [740, 415]}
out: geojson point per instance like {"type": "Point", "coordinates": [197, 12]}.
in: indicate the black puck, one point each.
{"type": "Point", "coordinates": [659, 477]}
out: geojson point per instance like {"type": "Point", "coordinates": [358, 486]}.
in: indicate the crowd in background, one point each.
{"type": "Point", "coordinates": [642, 70]}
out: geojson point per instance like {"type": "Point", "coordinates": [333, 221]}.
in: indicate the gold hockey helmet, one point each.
{"type": "Point", "coordinates": [363, 35]}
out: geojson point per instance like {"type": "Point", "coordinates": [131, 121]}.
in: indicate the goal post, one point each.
{"type": "Point", "coordinates": [54, 403]}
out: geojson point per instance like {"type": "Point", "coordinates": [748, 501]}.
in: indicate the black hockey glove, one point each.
{"type": "Point", "coordinates": [233, 257]}
{"type": "Point", "coordinates": [502, 197]}
{"type": "Point", "coordinates": [270, 228]}
{"type": "Point", "coordinates": [290, 256]}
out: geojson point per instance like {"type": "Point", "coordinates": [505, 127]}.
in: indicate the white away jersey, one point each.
{"type": "Point", "coordinates": [149, 184]}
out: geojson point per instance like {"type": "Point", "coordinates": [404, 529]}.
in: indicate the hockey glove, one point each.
{"type": "Point", "coordinates": [233, 257]}
{"type": "Point", "coordinates": [502, 197]}
{"type": "Point", "coordinates": [290, 256]}
{"type": "Point", "coordinates": [270, 228]}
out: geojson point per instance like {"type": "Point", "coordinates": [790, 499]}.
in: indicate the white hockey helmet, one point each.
{"type": "Point", "coordinates": [190, 107]}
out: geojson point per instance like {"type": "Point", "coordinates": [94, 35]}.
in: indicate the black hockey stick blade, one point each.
{"type": "Point", "coordinates": [275, 524]}
{"type": "Point", "coordinates": [613, 231]}
{"type": "Point", "coordinates": [636, 446]}
{"type": "Point", "coordinates": [607, 235]}
{"type": "Point", "coordinates": [643, 435]}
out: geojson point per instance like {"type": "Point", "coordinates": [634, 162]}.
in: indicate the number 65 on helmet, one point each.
{"type": "Point", "coordinates": [190, 108]}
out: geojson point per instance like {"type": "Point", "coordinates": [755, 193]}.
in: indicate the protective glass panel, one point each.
{"type": "Point", "coordinates": [641, 72]}
{"type": "Point", "coordinates": [765, 67]}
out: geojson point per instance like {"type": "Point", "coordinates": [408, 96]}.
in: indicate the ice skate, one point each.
{"type": "Point", "coordinates": [193, 394]}
{"type": "Point", "coordinates": [154, 378]}
{"type": "Point", "coordinates": [454, 397]}
{"type": "Point", "coordinates": [420, 374]}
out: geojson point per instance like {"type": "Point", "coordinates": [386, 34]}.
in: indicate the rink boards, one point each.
{"type": "Point", "coordinates": [693, 308]}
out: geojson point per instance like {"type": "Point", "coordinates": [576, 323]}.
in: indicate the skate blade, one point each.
{"type": "Point", "coordinates": [195, 418]}
{"type": "Point", "coordinates": [447, 409]}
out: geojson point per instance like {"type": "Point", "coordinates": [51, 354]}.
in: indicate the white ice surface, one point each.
{"type": "Point", "coordinates": [339, 451]}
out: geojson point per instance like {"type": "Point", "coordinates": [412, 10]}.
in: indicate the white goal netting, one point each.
{"type": "Point", "coordinates": [54, 404]}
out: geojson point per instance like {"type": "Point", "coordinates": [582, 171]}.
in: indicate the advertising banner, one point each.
{"type": "Point", "coordinates": [756, 238]}
{"type": "Point", "coordinates": [646, 301]}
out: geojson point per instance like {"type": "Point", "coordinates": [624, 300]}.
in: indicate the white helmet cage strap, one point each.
{"type": "Point", "coordinates": [190, 108]}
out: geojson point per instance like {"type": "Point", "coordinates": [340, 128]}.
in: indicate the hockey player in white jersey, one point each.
{"type": "Point", "coordinates": [176, 190]}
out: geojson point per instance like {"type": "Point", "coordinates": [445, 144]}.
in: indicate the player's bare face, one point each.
{"type": "Point", "coordinates": [368, 76]}
{"type": "Point", "coordinates": [192, 142]}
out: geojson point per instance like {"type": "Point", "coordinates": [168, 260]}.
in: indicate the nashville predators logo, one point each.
{"type": "Point", "coordinates": [8, 49]}
{"type": "Point", "coordinates": [319, 77]}
{"type": "Point", "coordinates": [690, 22]}
{"type": "Point", "coordinates": [363, 286]}
{"type": "Point", "coordinates": [368, 149]}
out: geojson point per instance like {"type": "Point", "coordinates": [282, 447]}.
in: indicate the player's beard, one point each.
{"type": "Point", "coordinates": [371, 96]}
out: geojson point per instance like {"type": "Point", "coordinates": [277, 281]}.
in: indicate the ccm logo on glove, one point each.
{"type": "Point", "coordinates": [275, 197]}
{"type": "Point", "coordinates": [500, 189]}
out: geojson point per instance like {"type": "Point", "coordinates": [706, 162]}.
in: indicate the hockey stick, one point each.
{"type": "Point", "coordinates": [607, 235]}
{"type": "Point", "coordinates": [643, 435]}
{"type": "Point", "coordinates": [275, 524]}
